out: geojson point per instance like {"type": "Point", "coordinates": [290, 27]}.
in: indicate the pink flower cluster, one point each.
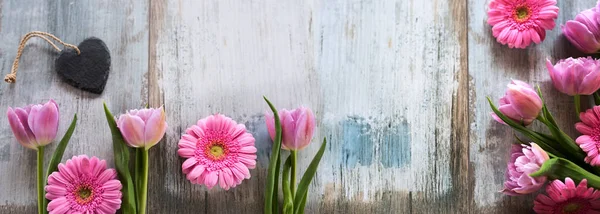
{"type": "Point", "coordinates": [217, 150]}
{"type": "Point", "coordinates": [522, 105]}
{"type": "Point", "coordinates": [518, 23]}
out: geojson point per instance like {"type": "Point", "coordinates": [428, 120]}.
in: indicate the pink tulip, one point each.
{"type": "Point", "coordinates": [34, 125]}
{"type": "Point", "coordinates": [143, 128]}
{"type": "Point", "coordinates": [297, 127]}
{"type": "Point", "coordinates": [524, 160]}
{"type": "Point", "coordinates": [520, 103]}
{"type": "Point", "coordinates": [584, 31]}
{"type": "Point", "coordinates": [579, 76]}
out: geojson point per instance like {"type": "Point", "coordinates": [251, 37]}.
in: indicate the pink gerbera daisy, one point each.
{"type": "Point", "coordinates": [83, 185]}
{"type": "Point", "coordinates": [520, 22]}
{"type": "Point", "coordinates": [568, 198]}
{"type": "Point", "coordinates": [590, 140]}
{"type": "Point", "coordinates": [217, 149]}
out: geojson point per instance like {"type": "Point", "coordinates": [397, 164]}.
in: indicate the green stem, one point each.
{"type": "Point", "coordinates": [596, 98]}
{"type": "Point", "coordinates": [560, 168]}
{"type": "Point", "coordinates": [138, 172]}
{"type": "Point", "coordinates": [288, 199]}
{"type": "Point", "coordinates": [143, 193]}
{"type": "Point", "coordinates": [577, 104]}
{"type": "Point", "coordinates": [40, 179]}
{"type": "Point", "coordinates": [294, 155]}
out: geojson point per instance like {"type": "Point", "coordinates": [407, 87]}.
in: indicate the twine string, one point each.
{"type": "Point", "coordinates": [12, 76]}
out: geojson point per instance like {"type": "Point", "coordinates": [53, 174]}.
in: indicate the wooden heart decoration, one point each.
{"type": "Point", "coordinates": [87, 71]}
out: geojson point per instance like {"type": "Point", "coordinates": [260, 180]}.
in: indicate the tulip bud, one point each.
{"type": "Point", "coordinates": [520, 103]}
{"type": "Point", "coordinates": [143, 128]}
{"type": "Point", "coordinates": [584, 31]}
{"type": "Point", "coordinates": [579, 76]}
{"type": "Point", "coordinates": [297, 127]}
{"type": "Point", "coordinates": [34, 125]}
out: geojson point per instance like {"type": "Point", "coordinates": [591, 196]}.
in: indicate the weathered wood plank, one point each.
{"type": "Point", "coordinates": [491, 67]}
{"type": "Point", "coordinates": [123, 27]}
{"type": "Point", "coordinates": [382, 76]}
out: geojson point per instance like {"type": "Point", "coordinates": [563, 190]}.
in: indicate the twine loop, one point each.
{"type": "Point", "coordinates": [12, 76]}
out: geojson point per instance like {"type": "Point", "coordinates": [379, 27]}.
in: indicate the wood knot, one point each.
{"type": "Point", "coordinates": [10, 78]}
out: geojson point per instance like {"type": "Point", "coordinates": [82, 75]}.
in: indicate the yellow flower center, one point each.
{"type": "Point", "coordinates": [216, 151]}
{"type": "Point", "coordinates": [571, 208]}
{"type": "Point", "coordinates": [522, 13]}
{"type": "Point", "coordinates": [84, 194]}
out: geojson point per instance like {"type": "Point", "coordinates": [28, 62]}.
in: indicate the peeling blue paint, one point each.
{"type": "Point", "coordinates": [357, 143]}
{"type": "Point", "coordinates": [395, 146]}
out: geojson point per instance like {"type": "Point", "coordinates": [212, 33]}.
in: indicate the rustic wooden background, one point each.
{"type": "Point", "coordinates": [398, 87]}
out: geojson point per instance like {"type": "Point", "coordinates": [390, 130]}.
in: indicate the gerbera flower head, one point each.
{"type": "Point", "coordinates": [568, 198]}
{"type": "Point", "coordinates": [589, 141]}
{"type": "Point", "coordinates": [520, 22]}
{"type": "Point", "coordinates": [217, 149]}
{"type": "Point", "coordinates": [83, 185]}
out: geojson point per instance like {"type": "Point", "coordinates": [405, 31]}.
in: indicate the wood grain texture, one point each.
{"type": "Point", "coordinates": [122, 25]}
{"type": "Point", "coordinates": [491, 68]}
{"type": "Point", "coordinates": [398, 88]}
{"type": "Point", "coordinates": [383, 98]}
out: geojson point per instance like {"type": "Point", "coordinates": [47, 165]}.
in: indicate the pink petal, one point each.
{"type": "Point", "coordinates": [211, 180]}
{"type": "Point", "coordinates": [187, 164]}
{"type": "Point", "coordinates": [43, 122]}
{"type": "Point", "coordinates": [20, 129]}
{"type": "Point", "coordinates": [579, 35]}
{"type": "Point", "coordinates": [196, 172]}
{"type": "Point", "coordinates": [58, 206]}
{"type": "Point", "coordinates": [186, 153]}
{"type": "Point", "coordinates": [155, 127]}
{"type": "Point", "coordinates": [132, 129]}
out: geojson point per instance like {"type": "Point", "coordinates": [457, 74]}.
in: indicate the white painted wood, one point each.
{"type": "Point", "coordinates": [379, 75]}
{"type": "Point", "coordinates": [385, 79]}
{"type": "Point", "coordinates": [122, 26]}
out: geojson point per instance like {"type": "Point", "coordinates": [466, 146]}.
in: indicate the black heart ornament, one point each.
{"type": "Point", "coordinates": [87, 71]}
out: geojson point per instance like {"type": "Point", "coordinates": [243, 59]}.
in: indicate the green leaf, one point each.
{"type": "Point", "coordinates": [564, 141]}
{"type": "Point", "coordinates": [59, 151]}
{"type": "Point", "coordinates": [303, 203]}
{"type": "Point", "coordinates": [273, 171]}
{"type": "Point", "coordinates": [542, 140]}
{"type": "Point", "coordinates": [560, 168]}
{"type": "Point", "coordinates": [288, 200]}
{"type": "Point", "coordinates": [121, 156]}
{"type": "Point", "coordinates": [546, 114]}
{"type": "Point", "coordinates": [276, 187]}
{"type": "Point", "coordinates": [307, 177]}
